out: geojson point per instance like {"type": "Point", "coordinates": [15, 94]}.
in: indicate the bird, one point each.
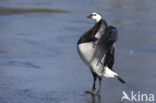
{"type": "Point", "coordinates": [96, 49]}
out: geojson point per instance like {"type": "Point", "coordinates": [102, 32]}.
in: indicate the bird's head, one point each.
{"type": "Point", "coordinates": [95, 16]}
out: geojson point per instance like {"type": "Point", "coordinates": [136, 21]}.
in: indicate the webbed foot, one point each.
{"type": "Point", "coordinates": [90, 92]}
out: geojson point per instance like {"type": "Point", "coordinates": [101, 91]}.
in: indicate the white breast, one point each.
{"type": "Point", "coordinates": [86, 52]}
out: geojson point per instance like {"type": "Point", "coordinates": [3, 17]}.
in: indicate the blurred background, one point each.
{"type": "Point", "coordinates": [38, 57]}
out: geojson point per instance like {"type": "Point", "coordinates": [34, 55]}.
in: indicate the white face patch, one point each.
{"type": "Point", "coordinates": [95, 16]}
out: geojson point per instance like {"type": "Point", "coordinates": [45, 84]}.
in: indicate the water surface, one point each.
{"type": "Point", "coordinates": [38, 58]}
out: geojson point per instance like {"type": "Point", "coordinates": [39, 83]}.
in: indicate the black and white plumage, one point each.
{"type": "Point", "coordinates": [96, 49]}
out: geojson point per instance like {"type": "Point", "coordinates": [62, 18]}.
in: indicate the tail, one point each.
{"type": "Point", "coordinates": [109, 73]}
{"type": "Point", "coordinates": [120, 79]}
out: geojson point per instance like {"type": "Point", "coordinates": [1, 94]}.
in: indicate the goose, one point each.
{"type": "Point", "coordinates": [96, 49]}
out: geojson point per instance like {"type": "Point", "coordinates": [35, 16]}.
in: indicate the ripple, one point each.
{"type": "Point", "coordinates": [14, 11]}
{"type": "Point", "coordinates": [19, 63]}
{"type": "Point", "coordinates": [126, 21]}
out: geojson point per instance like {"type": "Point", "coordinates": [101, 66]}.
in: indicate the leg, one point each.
{"type": "Point", "coordinates": [99, 99]}
{"type": "Point", "coordinates": [93, 87]}
{"type": "Point", "coordinates": [93, 99]}
{"type": "Point", "coordinates": [94, 83]}
{"type": "Point", "coordinates": [100, 86]}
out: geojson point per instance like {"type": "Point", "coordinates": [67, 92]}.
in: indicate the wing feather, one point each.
{"type": "Point", "coordinates": [105, 43]}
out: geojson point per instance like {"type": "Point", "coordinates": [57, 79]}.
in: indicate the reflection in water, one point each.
{"type": "Point", "coordinates": [99, 100]}
{"type": "Point", "coordinates": [96, 101]}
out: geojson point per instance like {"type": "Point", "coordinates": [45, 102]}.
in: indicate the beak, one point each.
{"type": "Point", "coordinates": [90, 16]}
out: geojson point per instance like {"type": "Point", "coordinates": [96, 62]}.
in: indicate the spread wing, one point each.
{"type": "Point", "coordinates": [109, 38]}
{"type": "Point", "coordinates": [105, 44]}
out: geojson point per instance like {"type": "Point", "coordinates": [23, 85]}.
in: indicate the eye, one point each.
{"type": "Point", "coordinates": [93, 14]}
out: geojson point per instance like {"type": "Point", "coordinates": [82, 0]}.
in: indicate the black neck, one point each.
{"type": "Point", "coordinates": [89, 36]}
